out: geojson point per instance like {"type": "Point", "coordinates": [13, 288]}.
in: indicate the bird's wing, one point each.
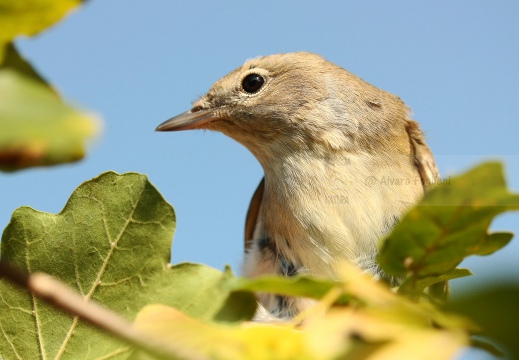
{"type": "Point", "coordinates": [253, 213]}
{"type": "Point", "coordinates": [422, 155]}
{"type": "Point", "coordinates": [426, 166]}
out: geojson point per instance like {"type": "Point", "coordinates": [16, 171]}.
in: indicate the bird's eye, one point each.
{"type": "Point", "coordinates": [252, 83]}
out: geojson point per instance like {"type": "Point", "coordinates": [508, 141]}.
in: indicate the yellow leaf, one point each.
{"type": "Point", "coordinates": [29, 17]}
{"type": "Point", "coordinates": [355, 333]}
{"type": "Point", "coordinates": [37, 127]}
{"type": "Point", "coordinates": [219, 341]}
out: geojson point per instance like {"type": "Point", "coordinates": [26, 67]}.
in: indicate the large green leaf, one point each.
{"type": "Point", "coordinates": [449, 224]}
{"type": "Point", "coordinates": [29, 17]}
{"type": "Point", "coordinates": [37, 127]}
{"type": "Point", "coordinates": [111, 243]}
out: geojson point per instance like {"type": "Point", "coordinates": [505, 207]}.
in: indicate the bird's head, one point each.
{"type": "Point", "coordinates": [279, 104]}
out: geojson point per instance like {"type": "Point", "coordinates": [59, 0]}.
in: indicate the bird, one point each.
{"type": "Point", "coordinates": [343, 161]}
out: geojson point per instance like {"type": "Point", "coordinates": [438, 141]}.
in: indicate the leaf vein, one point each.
{"type": "Point", "coordinates": [10, 343]}
{"type": "Point", "coordinates": [97, 281]}
{"type": "Point", "coordinates": [33, 299]}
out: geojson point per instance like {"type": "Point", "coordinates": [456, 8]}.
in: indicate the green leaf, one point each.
{"type": "Point", "coordinates": [495, 309]}
{"type": "Point", "coordinates": [449, 224]}
{"type": "Point", "coordinates": [205, 293]}
{"type": "Point", "coordinates": [29, 17]}
{"type": "Point", "coordinates": [112, 244]}
{"type": "Point", "coordinates": [301, 286]}
{"type": "Point", "coordinates": [495, 241]}
{"type": "Point", "coordinates": [415, 286]}
{"type": "Point", "coordinates": [37, 127]}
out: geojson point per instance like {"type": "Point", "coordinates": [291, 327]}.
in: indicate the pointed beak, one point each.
{"type": "Point", "coordinates": [191, 119]}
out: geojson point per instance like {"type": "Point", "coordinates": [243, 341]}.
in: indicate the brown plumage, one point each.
{"type": "Point", "coordinates": [342, 161]}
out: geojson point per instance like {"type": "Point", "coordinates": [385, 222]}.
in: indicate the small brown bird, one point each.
{"type": "Point", "coordinates": [342, 161]}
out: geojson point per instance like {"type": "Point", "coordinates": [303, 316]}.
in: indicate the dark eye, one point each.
{"type": "Point", "coordinates": [252, 83]}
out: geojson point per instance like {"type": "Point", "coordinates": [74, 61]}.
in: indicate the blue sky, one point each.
{"type": "Point", "coordinates": [137, 63]}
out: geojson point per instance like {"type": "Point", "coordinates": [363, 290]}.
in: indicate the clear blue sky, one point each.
{"type": "Point", "coordinates": [137, 63]}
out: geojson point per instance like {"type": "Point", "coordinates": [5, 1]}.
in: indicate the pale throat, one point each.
{"type": "Point", "coordinates": [305, 200]}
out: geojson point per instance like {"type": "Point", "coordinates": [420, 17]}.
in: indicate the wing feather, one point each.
{"type": "Point", "coordinates": [253, 214]}
{"type": "Point", "coordinates": [422, 155]}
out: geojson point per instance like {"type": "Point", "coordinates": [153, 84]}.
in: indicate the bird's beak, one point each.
{"type": "Point", "coordinates": [191, 119]}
